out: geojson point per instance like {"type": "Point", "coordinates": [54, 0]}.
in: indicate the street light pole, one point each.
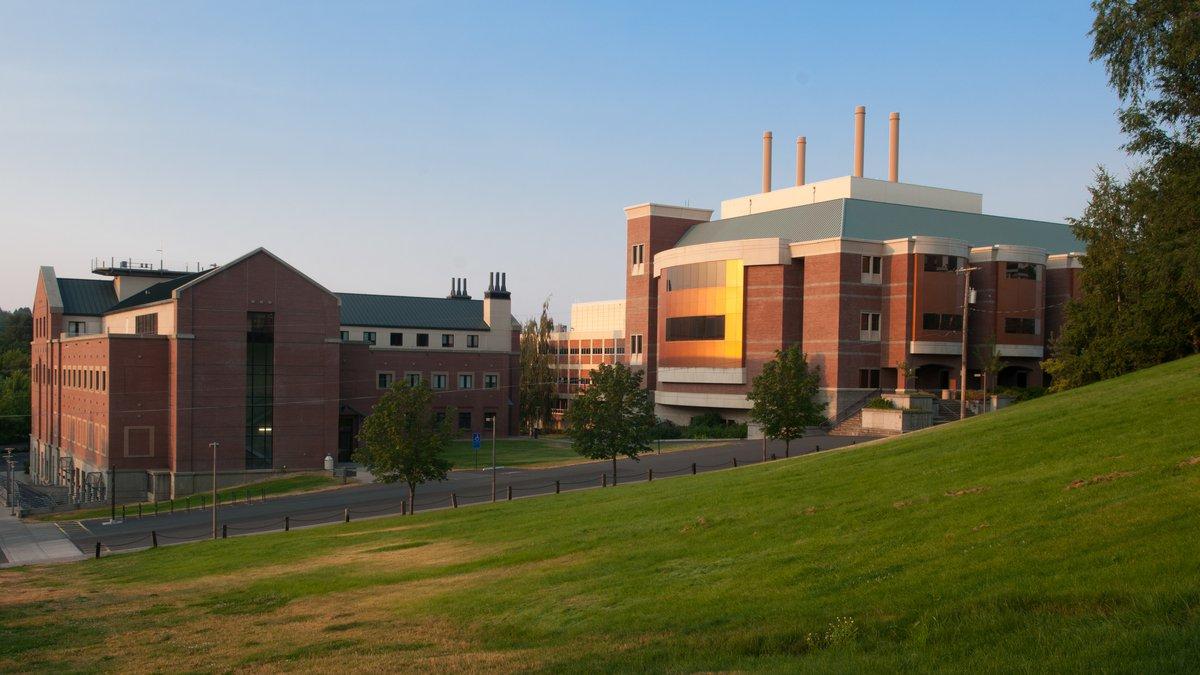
{"type": "Point", "coordinates": [112, 492]}
{"type": "Point", "coordinates": [493, 458]}
{"type": "Point", "coordinates": [214, 445]}
{"type": "Point", "coordinates": [962, 376]}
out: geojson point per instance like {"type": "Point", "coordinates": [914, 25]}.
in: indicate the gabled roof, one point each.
{"type": "Point", "coordinates": [88, 297]}
{"type": "Point", "coordinates": [402, 311]}
{"type": "Point", "coordinates": [156, 293]}
{"type": "Point", "coordinates": [879, 221]}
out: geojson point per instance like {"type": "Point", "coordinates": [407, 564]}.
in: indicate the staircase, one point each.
{"type": "Point", "coordinates": [849, 420]}
{"type": "Point", "coordinates": [947, 410]}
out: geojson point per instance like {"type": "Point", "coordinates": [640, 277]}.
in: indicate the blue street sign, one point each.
{"type": "Point", "coordinates": [475, 441]}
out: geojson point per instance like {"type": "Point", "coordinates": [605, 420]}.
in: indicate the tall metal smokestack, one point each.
{"type": "Point", "coordinates": [894, 147]}
{"type": "Point", "coordinates": [860, 119]}
{"type": "Point", "coordinates": [766, 174]}
{"type": "Point", "coordinates": [801, 144]}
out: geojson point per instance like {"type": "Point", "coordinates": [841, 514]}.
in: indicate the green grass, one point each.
{"type": "Point", "coordinates": [303, 482]}
{"type": "Point", "coordinates": [1062, 534]}
{"type": "Point", "coordinates": [530, 453]}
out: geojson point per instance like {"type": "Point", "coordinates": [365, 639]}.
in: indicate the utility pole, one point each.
{"type": "Point", "coordinates": [962, 376]}
{"type": "Point", "coordinates": [214, 445]}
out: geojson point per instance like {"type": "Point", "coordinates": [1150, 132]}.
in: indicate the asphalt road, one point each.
{"type": "Point", "coordinates": [468, 487]}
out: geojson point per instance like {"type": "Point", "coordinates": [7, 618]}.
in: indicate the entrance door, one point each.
{"type": "Point", "coordinates": [944, 379]}
{"type": "Point", "coordinates": [345, 438]}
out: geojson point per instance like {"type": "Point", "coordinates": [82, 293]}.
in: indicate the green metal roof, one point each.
{"type": "Point", "coordinates": [402, 311]}
{"type": "Point", "coordinates": [87, 297]}
{"type": "Point", "coordinates": [879, 221]}
{"type": "Point", "coordinates": [155, 293]}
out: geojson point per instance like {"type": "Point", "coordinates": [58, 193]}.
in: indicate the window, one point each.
{"type": "Point", "coordinates": [439, 380]}
{"type": "Point", "coordinates": [491, 380]}
{"type": "Point", "coordinates": [1020, 326]}
{"type": "Point", "coordinates": [344, 335]}
{"type": "Point", "coordinates": [466, 381]}
{"type": "Point", "coordinates": [447, 340]}
{"type": "Point", "coordinates": [620, 349]}
{"type": "Point", "coordinates": [585, 350]}
{"type": "Point", "coordinates": [260, 389]}
{"type": "Point", "coordinates": [464, 419]}
{"type": "Point", "coordinates": [868, 378]}
{"type": "Point", "coordinates": [396, 339]}
{"type": "Point", "coordinates": [104, 380]}
{"type": "Point", "coordinates": [637, 255]}
{"type": "Point", "coordinates": [413, 379]}
{"type": "Point", "coordinates": [950, 322]}
{"type": "Point", "coordinates": [868, 326]}
{"type": "Point", "coordinates": [635, 344]}
{"type": "Point", "coordinates": [473, 341]}
{"type": "Point", "coordinates": [146, 324]}
{"type": "Point", "coordinates": [76, 327]}
{"type": "Point", "coordinates": [1015, 270]}
{"type": "Point", "coordinates": [384, 380]}
{"type": "Point", "coordinates": [872, 269]}
{"type": "Point", "coordinates": [695, 328]}
{"type": "Point", "coordinates": [696, 275]}
{"type": "Point", "coordinates": [489, 420]}
{"type": "Point", "coordinates": [422, 339]}
{"type": "Point", "coordinates": [369, 337]}
{"type": "Point", "coordinates": [608, 350]}
{"type": "Point", "coordinates": [439, 416]}
{"type": "Point", "coordinates": [941, 263]}
{"type": "Point", "coordinates": [574, 350]}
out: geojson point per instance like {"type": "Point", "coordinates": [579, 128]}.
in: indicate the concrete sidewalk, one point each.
{"type": "Point", "coordinates": [29, 543]}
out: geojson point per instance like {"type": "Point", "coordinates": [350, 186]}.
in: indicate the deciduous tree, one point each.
{"type": "Point", "coordinates": [785, 396]}
{"type": "Point", "coordinates": [613, 417]}
{"type": "Point", "coordinates": [538, 378]}
{"type": "Point", "coordinates": [402, 440]}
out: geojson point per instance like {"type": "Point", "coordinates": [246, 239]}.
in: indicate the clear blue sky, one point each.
{"type": "Point", "coordinates": [385, 147]}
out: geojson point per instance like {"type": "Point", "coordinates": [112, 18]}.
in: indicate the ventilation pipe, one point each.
{"type": "Point", "coordinates": [766, 174]}
{"type": "Point", "coordinates": [894, 147]}
{"type": "Point", "coordinates": [801, 142]}
{"type": "Point", "coordinates": [860, 119]}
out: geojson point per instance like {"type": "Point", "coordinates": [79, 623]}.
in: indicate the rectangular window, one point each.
{"type": "Point", "coordinates": [638, 254]}
{"type": "Point", "coordinates": [260, 389]}
{"type": "Point", "coordinates": [491, 380]}
{"type": "Point", "coordinates": [464, 419]}
{"type": "Point", "coordinates": [344, 335]}
{"type": "Point", "coordinates": [369, 337]}
{"type": "Point", "coordinates": [941, 263]}
{"type": "Point", "coordinates": [466, 381]}
{"type": "Point", "coordinates": [146, 324]}
{"type": "Point", "coordinates": [868, 326]}
{"type": "Point", "coordinates": [414, 379]}
{"type": "Point", "coordinates": [489, 420]}
{"type": "Point", "coordinates": [681, 328]}
{"type": "Point", "coordinates": [868, 378]}
{"type": "Point", "coordinates": [76, 327]}
{"type": "Point", "coordinates": [473, 341]}
{"type": "Point", "coordinates": [384, 380]}
{"type": "Point", "coordinates": [422, 339]}
{"type": "Point", "coordinates": [1020, 326]}
{"type": "Point", "coordinates": [620, 349]}
{"type": "Point", "coordinates": [439, 381]}
{"type": "Point", "coordinates": [950, 322]}
{"type": "Point", "coordinates": [1015, 270]}
{"type": "Point", "coordinates": [872, 269]}
{"type": "Point", "coordinates": [396, 339]}
{"type": "Point", "coordinates": [447, 340]}
{"type": "Point", "coordinates": [635, 344]}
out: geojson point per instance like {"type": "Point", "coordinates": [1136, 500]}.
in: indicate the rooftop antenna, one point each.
{"type": "Point", "coordinates": [161, 246]}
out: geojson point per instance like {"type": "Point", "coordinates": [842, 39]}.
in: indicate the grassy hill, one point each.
{"type": "Point", "coordinates": [1061, 534]}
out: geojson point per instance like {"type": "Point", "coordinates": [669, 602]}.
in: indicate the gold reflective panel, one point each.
{"type": "Point", "coordinates": [690, 335]}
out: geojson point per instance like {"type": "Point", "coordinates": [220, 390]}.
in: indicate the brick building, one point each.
{"type": "Point", "coordinates": [595, 336]}
{"type": "Point", "coordinates": [143, 372]}
{"type": "Point", "coordinates": [863, 273]}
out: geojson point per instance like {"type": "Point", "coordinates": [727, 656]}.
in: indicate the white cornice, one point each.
{"type": "Point", "coordinates": [666, 211]}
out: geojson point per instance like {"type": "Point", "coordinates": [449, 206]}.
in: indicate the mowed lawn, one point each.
{"type": "Point", "coordinates": [1062, 534]}
{"type": "Point", "coordinates": [541, 452]}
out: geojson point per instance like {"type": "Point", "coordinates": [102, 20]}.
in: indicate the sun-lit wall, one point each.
{"type": "Point", "coordinates": [701, 315]}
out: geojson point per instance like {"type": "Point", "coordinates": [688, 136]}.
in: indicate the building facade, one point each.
{"type": "Point", "coordinates": [595, 336]}
{"type": "Point", "coordinates": [863, 274]}
{"type": "Point", "coordinates": [153, 375]}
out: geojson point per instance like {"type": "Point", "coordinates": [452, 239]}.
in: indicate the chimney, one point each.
{"type": "Point", "coordinates": [801, 142]}
{"type": "Point", "coordinates": [860, 120]}
{"type": "Point", "coordinates": [894, 147]}
{"type": "Point", "coordinates": [766, 174]}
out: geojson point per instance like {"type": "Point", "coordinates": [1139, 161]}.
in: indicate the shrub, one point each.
{"type": "Point", "coordinates": [1018, 394]}
{"type": "Point", "coordinates": [880, 403]}
{"type": "Point", "coordinates": [665, 429]}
